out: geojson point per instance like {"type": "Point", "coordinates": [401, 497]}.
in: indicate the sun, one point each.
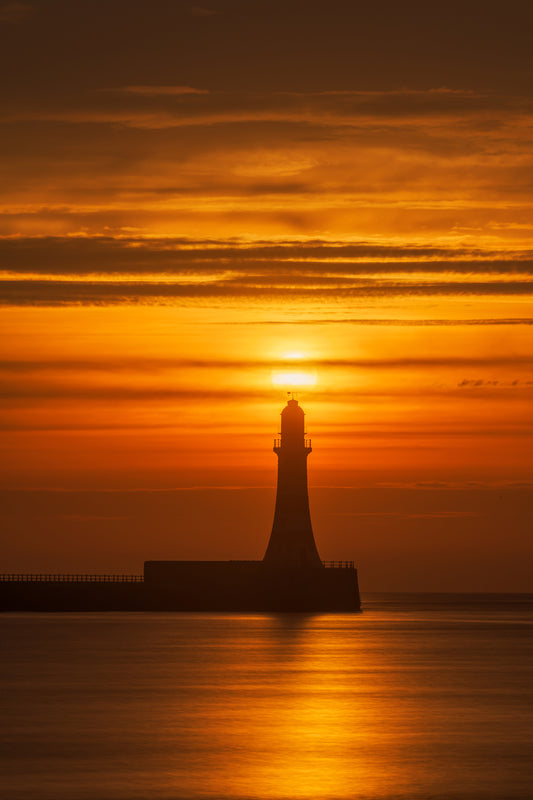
{"type": "Point", "coordinates": [295, 374]}
{"type": "Point", "coordinates": [293, 378]}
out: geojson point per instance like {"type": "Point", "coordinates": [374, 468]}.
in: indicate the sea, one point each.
{"type": "Point", "coordinates": [418, 697]}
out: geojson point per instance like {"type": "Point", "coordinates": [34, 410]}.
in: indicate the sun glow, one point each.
{"type": "Point", "coordinates": [293, 377]}
{"type": "Point", "coordinates": [294, 374]}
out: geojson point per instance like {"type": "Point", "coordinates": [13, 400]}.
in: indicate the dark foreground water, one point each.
{"type": "Point", "coordinates": [418, 697]}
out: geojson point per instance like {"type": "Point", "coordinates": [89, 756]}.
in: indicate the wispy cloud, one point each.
{"type": "Point", "coordinates": [411, 515]}
{"type": "Point", "coordinates": [480, 383]}
{"type": "Point", "coordinates": [201, 11]}
{"type": "Point", "coordinates": [32, 391]}
{"type": "Point", "coordinates": [399, 322]}
{"type": "Point", "coordinates": [160, 91]}
{"type": "Point", "coordinates": [159, 158]}
{"type": "Point", "coordinates": [106, 270]}
{"type": "Point", "coordinates": [60, 292]}
{"type": "Point", "coordinates": [15, 12]}
{"type": "Point", "coordinates": [132, 255]}
{"type": "Point", "coordinates": [162, 364]}
{"type": "Point", "coordinates": [180, 106]}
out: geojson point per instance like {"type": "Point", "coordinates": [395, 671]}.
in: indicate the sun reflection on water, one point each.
{"type": "Point", "coordinates": [378, 706]}
{"type": "Point", "coordinates": [295, 721]}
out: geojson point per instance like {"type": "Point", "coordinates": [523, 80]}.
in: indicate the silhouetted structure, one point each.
{"type": "Point", "coordinates": [291, 576]}
{"type": "Point", "coordinates": [292, 541]}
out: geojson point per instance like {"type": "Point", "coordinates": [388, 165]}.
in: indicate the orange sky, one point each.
{"type": "Point", "coordinates": [190, 194]}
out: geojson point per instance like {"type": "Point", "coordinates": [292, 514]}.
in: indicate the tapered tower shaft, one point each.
{"type": "Point", "coordinates": [292, 542]}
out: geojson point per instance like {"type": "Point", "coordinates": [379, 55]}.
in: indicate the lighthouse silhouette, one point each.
{"type": "Point", "coordinates": [291, 577]}
{"type": "Point", "coordinates": [291, 541]}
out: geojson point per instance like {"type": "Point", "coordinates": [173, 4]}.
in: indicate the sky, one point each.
{"type": "Point", "coordinates": [199, 201]}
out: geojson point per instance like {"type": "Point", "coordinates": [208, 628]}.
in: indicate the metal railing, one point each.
{"type": "Point", "coordinates": [307, 443]}
{"type": "Point", "coordinates": [16, 577]}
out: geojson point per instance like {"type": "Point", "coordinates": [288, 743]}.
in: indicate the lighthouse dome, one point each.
{"type": "Point", "coordinates": [292, 420]}
{"type": "Point", "coordinates": [292, 407]}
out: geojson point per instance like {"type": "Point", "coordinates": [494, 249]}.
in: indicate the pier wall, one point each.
{"type": "Point", "coordinates": [247, 586]}
{"type": "Point", "coordinates": [47, 595]}
{"type": "Point", "coordinates": [250, 586]}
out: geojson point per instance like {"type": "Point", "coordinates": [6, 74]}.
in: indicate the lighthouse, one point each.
{"type": "Point", "coordinates": [292, 543]}
{"type": "Point", "coordinates": [291, 577]}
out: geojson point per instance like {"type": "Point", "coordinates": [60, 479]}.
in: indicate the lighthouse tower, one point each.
{"type": "Point", "coordinates": [292, 542]}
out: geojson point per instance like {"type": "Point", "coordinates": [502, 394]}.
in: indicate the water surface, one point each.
{"type": "Point", "coordinates": [418, 697]}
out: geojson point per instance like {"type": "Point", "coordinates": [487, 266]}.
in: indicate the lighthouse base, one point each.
{"type": "Point", "coordinates": [242, 586]}
{"type": "Point", "coordinates": [249, 586]}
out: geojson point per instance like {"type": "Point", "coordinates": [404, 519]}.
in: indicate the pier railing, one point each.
{"type": "Point", "coordinates": [27, 577]}
{"type": "Point", "coordinates": [15, 577]}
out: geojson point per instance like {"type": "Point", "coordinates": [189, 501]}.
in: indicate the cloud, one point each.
{"type": "Point", "coordinates": [161, 91]}
{"type": "Point", "coordinates": [15, 12]}
{"type": "Point", "coordinates": [487, 115]}
{"type": "Point", "coordinates": [477, 383]}
{"type": "Point", "coordinates": [200, 11]}
{"type": "Point", "coordinates": [93, 292]}
{"type": "Point", "coordinates": [30, 390]}
{"type": "Point", "coordinates": [399, 322]}
{"type": "Point", "coordinates": [163, 157]}
{"type": "Point", "coordinates": [103, 270]}
{"type": "Point", "coordinates": [161, 364]}
{"type": "Point", "coordinates": [132, 255]}
{"type": "Point", "coordinates": [410, 515]}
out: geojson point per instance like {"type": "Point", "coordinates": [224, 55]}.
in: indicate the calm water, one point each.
{"type": "Point", "coordinates": [424, 699]}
